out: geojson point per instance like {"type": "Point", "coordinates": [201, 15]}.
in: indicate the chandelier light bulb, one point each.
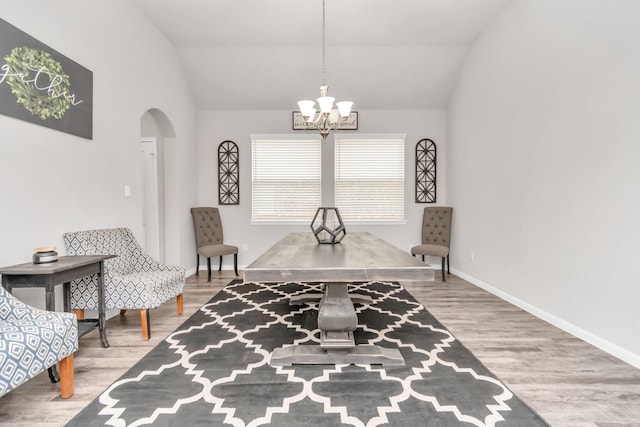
{"type": "Point", "coordinates": [326, 103]}
{"type": "Point", "coordinates": [306, 108]}
{"type": "Point", "coordinates": [344, 107]}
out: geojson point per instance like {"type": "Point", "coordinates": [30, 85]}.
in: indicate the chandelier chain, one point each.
{"type": "Point", "coordinates": [327, 118]}
{"type": "Point", "coordinates": [324, 72]}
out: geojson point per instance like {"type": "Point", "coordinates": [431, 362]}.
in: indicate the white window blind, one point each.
{"type": "Point", "coordinates": [286, 178]}
{"type": "Point", "coordinates": [369, 177]}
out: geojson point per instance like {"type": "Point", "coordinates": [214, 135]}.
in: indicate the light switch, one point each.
{"type": "Point", "coordinates": [127, 191]}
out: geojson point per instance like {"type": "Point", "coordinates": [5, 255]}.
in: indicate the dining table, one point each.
{"type": "Point", "coordinates": [359, 257]}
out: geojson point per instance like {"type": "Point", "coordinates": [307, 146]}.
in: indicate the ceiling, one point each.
{"type": "Point", "coordinates": [267, 54]}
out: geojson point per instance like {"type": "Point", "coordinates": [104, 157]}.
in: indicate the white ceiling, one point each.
{"type": "Point", "coordinates": [267, 54]}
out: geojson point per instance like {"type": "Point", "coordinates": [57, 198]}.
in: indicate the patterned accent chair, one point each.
{"type": "Point", "coordinates": [33, 340]}
{"type": "Point", "coordinates": [133, 280]}
{"type": "Point", "coordinates": [436, 235]}
{"type": "Point", "coordinates": [209, 240]}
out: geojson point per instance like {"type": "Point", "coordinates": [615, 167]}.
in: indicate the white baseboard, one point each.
{"type": "Point", "coordinates": [604, 345]}
{"type": "Point", "coordinates": [229, 267]}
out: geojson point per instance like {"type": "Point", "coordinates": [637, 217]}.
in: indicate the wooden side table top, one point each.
{"type": "Point", "coordinates": [62, 264]}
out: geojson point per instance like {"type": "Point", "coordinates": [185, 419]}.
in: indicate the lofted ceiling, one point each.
{"type": "Point", "coordinates": [267, 54]}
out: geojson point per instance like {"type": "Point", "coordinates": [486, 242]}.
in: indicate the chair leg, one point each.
{"type": "Point", "coordinates": [197, 264]}
{"type": "Point", "coordinates": [448, 271]}
{"type": "Point", "coordinates": [444, 278]}
{"type": "Point", "coordinates": [146, 324]}
{"type": "Point", "coordinates": [422, 258]}
{"type": "Point", "coordinates": [79, 312]}
{"type": "Point", "coordinates": [220, 266]}
{"type": "Point", "coordinates": [180, 304]}
{"type": "Point", "coordinates": [123, 311]}
{"type": "Point", "coordinates": [66, 377]}
{"type": "Point", "coordinates": [53, 374]}
{"type": "Point", "coordinates": [208, 269]}
{"type": "Point", "coordinates": [235, 263]}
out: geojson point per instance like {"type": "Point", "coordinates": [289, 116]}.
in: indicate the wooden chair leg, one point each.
{"type": "Point", "coordinates": [220, 266]}
{"type": "Point", "coordinates": [66, 377]}
{"type": "Point", "coordinates": [123, 311]}
{"type": "Point", "coordinates": [180, 305]}
{"type": "Point", "coordinates": [235, 263]}
{"type": "Point", "coordinates": [146, 324]}
{"type": "Point", "coordinates": [79, 313]}
{"type": "Point", "coordinates": [208, 269]}
{"type": "Point", "coordinates": [448, 270]}
{"type": "Point", "coordinates": [197, 264]}
{"type": "Point", "coordinates": [444, 278]}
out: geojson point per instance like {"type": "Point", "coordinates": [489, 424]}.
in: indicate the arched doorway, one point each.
{"type": "Point", "coordinates": [157, 140]}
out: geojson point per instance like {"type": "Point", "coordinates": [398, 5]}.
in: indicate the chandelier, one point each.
{"type": "Point", "coordinates": [328, 117]}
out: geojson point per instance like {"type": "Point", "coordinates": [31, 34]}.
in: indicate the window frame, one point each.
{"type": "Point", "coordinates": [292, 138]}
{"type": "Point", "coordinates": [401, 172]}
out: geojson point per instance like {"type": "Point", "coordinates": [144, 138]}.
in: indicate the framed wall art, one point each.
{"type": "Point", "coordinates": [228, 174]}
{"type": "Point", "coordinates": [350, 123]}
{"type": "Point", "coordinates": [42, 86]}
{"type": "Point", "coordinates": [426, 171]}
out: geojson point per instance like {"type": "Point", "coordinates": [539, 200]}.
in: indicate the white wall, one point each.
{"type": "Point", "coordinates": [544, 144]}
{"type": "Point", "coordinates": [217, 126]}
{"type": "Point", "coordinates": [52, 182]}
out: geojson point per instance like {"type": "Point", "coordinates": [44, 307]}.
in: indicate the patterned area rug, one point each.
{"type": "Point", "coordinates": [214, 370]}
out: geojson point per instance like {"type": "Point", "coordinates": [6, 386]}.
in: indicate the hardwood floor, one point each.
{"type": "Point", "coordinates": [567, 381]}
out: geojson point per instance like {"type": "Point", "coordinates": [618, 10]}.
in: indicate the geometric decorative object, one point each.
{"type": "Point", "coordinates": [328, 226]}
{"type": "Point", "coordinates": [328, 117]}
{"type": "Point", "coordinates": [425, 171]}
{"type": "Point", "coordinates": [228, 174]}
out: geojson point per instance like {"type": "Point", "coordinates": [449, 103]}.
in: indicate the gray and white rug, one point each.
{"type": "Point", "coordinates": [214, 370]}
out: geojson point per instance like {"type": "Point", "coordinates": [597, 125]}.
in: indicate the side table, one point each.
{"type": "Point", "coordinates": [63, 271]}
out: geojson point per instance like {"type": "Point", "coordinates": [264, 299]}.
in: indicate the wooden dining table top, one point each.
{"type": "Point", "coordinates": [360, 256]}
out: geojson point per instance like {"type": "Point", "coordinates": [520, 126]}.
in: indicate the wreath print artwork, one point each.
{"type": "Point", "coordinates": [30, 71]}
{"type": "Point", "coordinates": [41, 86]}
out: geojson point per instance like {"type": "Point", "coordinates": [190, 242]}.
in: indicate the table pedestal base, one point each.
{"type": "Point", "coordinates": [337, 319]}
{"type": "Point", "coordinates": [314, 355]}
{"type": "Point", "coordinates": [317, 296]}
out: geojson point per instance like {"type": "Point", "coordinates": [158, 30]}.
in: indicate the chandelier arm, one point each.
{"type": "Point", "coordinates": [323, 122]}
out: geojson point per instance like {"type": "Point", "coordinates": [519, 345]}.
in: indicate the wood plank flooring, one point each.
{"type": "Point", "coordinates": [567, 381]}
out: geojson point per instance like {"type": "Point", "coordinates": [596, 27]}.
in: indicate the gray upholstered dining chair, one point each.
{"type": "Point", "coordinates": [436, 235]}
{"type": "Point", "coordinates": [209, 238]}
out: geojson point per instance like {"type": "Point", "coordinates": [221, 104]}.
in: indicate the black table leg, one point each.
{"type": "Point", "coordinates": [50, 305]}
{"type": "Point", "coordinates": [102, 322]}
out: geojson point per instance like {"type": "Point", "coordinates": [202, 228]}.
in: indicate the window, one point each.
{"type": "Point", "coordinates": [286, 177]}
{"type": "Point", "coordinates": [369, 177]}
